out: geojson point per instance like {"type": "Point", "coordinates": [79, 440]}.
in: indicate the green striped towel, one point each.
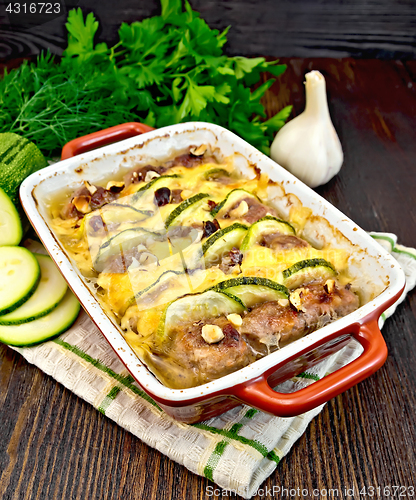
{"type": "Point", "coordinates": [237, 450]}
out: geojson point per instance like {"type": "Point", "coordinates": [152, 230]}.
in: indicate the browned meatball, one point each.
{"type": "Point", "coordinates": [138, 174]}
{"type": "Point", "coordinates": [188, 160]}
{"type": "Point", "coordinates": [203, 362]}
{"type": "Point", "coordinates": [278, 241]}
{"type": "Point", "coordinates": [256, 210]}
{"type": "Point", "coordinates": [271, 325]}
{"type": "Point", "coordinates": [98, 199]}
{"type": "Point", "coordinates": [321, 307]}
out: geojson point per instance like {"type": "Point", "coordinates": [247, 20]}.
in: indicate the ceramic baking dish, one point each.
{"type": "Point", "coordinates": [253, 384]}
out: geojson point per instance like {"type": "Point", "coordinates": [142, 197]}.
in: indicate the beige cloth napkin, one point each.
{"type": "Point", "coordinates": [237, 450]}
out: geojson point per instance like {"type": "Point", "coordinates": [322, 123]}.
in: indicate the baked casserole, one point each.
{"type": "Point", "coordinates": [197, 266]}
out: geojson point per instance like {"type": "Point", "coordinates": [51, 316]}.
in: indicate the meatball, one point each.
{"type": "Point", "coordinates": [97, 199]}
{"type": "Point", "coordinates": [256, 210]}
{"type": "Point", "coordinates": [203, 362]}
{"type": "Point", "coordinates": [272, 325]}
{"type": "Point", "coordinates": [278, 241]}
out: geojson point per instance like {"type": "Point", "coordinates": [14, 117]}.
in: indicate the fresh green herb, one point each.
{"type": "Point", "coordinates": [163, 70]}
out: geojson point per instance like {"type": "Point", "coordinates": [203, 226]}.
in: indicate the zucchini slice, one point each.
{"type": "Point", "coordinates": [308, 270]}
{"type": "Point", "coordinates": [19, 277]}
{"type": "Point", "coordinates": [232, 198]}
{"type": "Point", "coordinates": [123, 242]}
{"type": "Point", "coordinates": [156, 183]}
{"type": "Point", "coordinates": [195, 208]}
{"type": "Point", "coordinates": [252, 290]}
{"type": "Point", "coordinates": [117, 213]}
{"type": "Point", "coordinates": [223, 241]}
{"type": "Point", "coordinates": [41, 329]}
{"type": "Point", "coordinates": [50, 291]}
{"type": "Point", "coordinates": [266, 225]}
{"type": "Point", "coordinates": [10, 225]}
{"type": "Point", "coordinates": [161, 279]}
{"type": "Point", "coordinates": [213, 173]}
{"type": "Point", "coordinates": [197, 307]}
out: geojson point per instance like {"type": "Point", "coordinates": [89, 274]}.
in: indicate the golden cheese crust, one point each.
{"type": "Point", "coordinates": [173, 249]}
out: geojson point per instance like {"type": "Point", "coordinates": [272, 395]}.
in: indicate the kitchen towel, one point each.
{"type": "Point", "coordinates": [237, 450]}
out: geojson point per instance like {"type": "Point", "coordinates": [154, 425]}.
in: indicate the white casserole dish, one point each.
{"type": "Point", "coordinates": [251, 384]}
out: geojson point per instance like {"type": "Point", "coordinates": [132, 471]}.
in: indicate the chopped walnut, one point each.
{"type": "Point", "coordinates": [236, 256]}
{"type": "Point", "coordinates": [82, 204]}
{"type": "Point", "coordinates": [114, 186]}
{"type": "Point", "coordinates": [296, 298]}
{"type": "Point", "coordinates": [198, 150]}
{"type": "Point", "coordinates": [212, 334]}
{"type": "Point", "coordinates": [235, 319]}
{"type": "Point", "coordinates": [329, 286]}
{"type": "Point", "coordinates": [92, 189]}
{"type": "Point", "coordinates": [151, 174]}
{"type": "Point", "coordinates": [240, 210]}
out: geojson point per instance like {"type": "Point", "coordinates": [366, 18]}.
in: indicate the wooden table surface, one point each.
{"type": "Point", "coordinates": [53, 445]}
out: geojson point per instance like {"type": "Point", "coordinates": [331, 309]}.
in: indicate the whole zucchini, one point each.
{"type": "Point", "coordinates": [18, 159]}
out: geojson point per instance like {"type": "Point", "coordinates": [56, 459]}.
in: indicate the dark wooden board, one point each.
{"type": "Point", "coordinates": [284, 28]}
{"type": "Point", "coordinates": [55, 446]}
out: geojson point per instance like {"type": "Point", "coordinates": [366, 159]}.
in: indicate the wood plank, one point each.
{"type": "Point", "coordinates": [288, 28]}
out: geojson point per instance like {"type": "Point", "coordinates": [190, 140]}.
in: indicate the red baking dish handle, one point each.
{"type": "Point", "coordinates": [102, 138]}
{"type": "Point", "coordinates": [259, 394]}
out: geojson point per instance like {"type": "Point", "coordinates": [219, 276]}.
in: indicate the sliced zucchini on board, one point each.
{"type": "Point", "coordinates": [196, 307]}
{"type": "Point", "coordinates": [266, 225]}
{"type": "Point", "coordinates": [123, 242]}
{"type": "Point", "coordinates": [232, 198]}
{"type": "Point", "coordinates": [194, 209]}
{"type": "Point", "coordinates": [10, 225]}
{"type": "Point", "coordinates": [50, 291]}
{"type": "Point", "coordinates": [19, 277]}
{"type": "Point", "coordinates": [44, 328]}
{"type": "Point", "coordinates": [305, 271]}
{"type": "Point", "coordinates": [252, 290]}
{"type": "Point", "coordinates": [223, 241]}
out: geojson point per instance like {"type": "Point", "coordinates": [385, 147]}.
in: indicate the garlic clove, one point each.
{"type": "Point", "coordinates": [308, 146]}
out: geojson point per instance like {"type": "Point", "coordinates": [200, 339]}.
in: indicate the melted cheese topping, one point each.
{"type": "Point", "coordinates": [138, 265]}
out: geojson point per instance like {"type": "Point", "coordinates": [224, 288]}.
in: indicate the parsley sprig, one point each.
{"type": "Point", "coordinates": [163, 70]}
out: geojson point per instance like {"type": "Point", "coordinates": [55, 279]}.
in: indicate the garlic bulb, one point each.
{"type": "Point", "coordinates": [308, 146]}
